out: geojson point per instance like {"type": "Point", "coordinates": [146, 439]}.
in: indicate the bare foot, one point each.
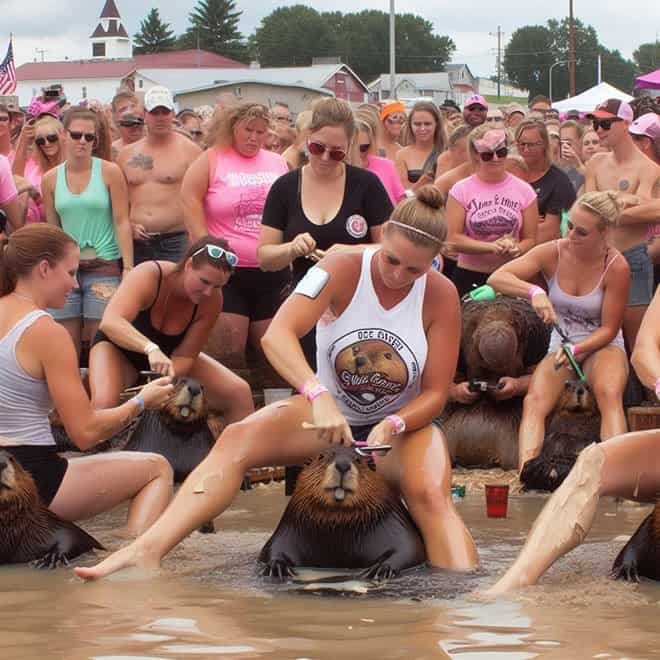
{"type": "Point", "coordinates": [130, 556]}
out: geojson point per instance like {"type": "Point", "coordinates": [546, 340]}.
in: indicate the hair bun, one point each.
{"type": "Point", "coordinates": [430, 196]}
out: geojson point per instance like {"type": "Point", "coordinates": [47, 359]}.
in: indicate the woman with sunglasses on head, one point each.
{"type": "Point", "coordinates": [393, 119]}
{"type": "Point", "coordinates": [416, 162]}
{"type": "Point", "coordinates": [159, 319]}
{"type": "Point", "coordinates": [87, 197]}
{"type": "Point", "coordinates": [224, 192]}
{"type": "Point", "coordinates": [325, 205]}
{"type": "Point", "coordinates": [43, 138]}
{"type": "Point", "coordinates": [554, 190]}
{"type": "Point", "coordinates": [491, 215]}
{"type": "Point", "coordinates": [383, 301]}
{"type": "Point", "coordinates": [588, 284]}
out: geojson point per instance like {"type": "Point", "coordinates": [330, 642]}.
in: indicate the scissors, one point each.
{"type": "Point", "coordinates": [361, 448]}
{"type": "Point", "coordinates": [565, 344]}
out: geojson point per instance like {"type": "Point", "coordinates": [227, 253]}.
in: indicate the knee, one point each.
{"type": "Point", "coordinates": [428, 495]}
{"type": "Point", "coordinates": [232, 441]}
{"type": "Point", "coordinates": [161, 466]}
{"type": "Point", "coordinates": [535, 403]}
{"type": "Point", "coordinates": [608, 393]}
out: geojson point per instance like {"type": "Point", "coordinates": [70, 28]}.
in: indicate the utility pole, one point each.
{"type": "Point", "coordinates": [392, 53]}
{"type": "Point", "coordinates": [498, 34]}
{"type": "Point", "coordinates": [41, 51]}
{"type": "Point", "coordinates": [571, 50]}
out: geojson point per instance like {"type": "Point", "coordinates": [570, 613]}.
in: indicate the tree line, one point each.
{"type": "Point", "coordinates": [293, 36]}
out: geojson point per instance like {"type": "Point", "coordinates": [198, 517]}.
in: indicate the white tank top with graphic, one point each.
{"type": "Point", "coordinates": [372, 359]}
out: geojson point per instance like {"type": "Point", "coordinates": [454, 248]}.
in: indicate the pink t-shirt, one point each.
{"type": "Point", "coordinates": [234, 202]}
{"type": "Point", "coordinates": [385, 170]}
{"type": "Point", "coordinates": [8, 192]}
{"type": "Point", "coordinates": [491, 211]}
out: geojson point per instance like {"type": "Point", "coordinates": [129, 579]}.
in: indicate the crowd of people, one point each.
{"type": "Point", "coordinates": [137, 231]}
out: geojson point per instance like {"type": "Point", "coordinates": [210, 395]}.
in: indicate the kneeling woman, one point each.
{"type": "Point", "coordinates": [380, 313]}
{"type": "Point", "coordinates": [587, 291]}
{"type": "Point", "coordinates": [159, 319]}
{"type": "Point", "coordinates": [39, 369]}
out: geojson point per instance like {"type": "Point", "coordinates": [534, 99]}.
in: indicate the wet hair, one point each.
{"type": "Point", "coordinates": [439, 135]}
{"type": "Point", "coordinates": [203, 257]}
{"type": "Point", "coordinates": [421, 219]}
{"type": "Point", "coordinates": [221, 131]}
{"type": "Point", "coordinates": [458, 134]}
{"type": "Point", "coordinates": [333, 112]}
{"type": "Point", "coordinates": [478, 133]}
{"type": "Point", "coordinates": [55, 126]}
{"type": "Point", "coordinates": [28, 246]}
{"type": "Point", "coordinates": [605, 205]}
{"type": "Point", "coordinates": [536, 125]}
{"type": "Point", "coordinates": [123, 94]}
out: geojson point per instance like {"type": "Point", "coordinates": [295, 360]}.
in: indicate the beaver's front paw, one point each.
{"type": "Point", "coordinates": [280, 569]}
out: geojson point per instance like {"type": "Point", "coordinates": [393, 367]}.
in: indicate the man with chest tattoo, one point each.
{"type": "Point", "coordinates": [154, 168]}
{"type": "Point", "coordinates": [629, 172]}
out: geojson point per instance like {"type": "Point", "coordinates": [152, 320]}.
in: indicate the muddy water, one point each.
{"type": "Point", "coordinates": [208, 603]}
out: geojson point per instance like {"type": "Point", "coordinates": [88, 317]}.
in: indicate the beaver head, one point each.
{"type": "Point", "coordinates": [577, 397]}
{"type": "Point", "coordinates": [342, 486]}
{"type": "Point", "coordinates": [187, 405]}
{"type": "Point", "coordinates": [18, 491]}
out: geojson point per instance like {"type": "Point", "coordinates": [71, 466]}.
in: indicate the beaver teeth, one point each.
{"type": "Point", "coordinates": [184, 411]}
{"type": "Point", "coordinates": [340, 493]}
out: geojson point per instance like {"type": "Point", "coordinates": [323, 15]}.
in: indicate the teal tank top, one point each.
{"type": "Point", "coordinates": [87, 217]}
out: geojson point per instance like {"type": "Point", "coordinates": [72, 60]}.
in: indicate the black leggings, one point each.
{"type": "Point", "coordinates": [467, 280]}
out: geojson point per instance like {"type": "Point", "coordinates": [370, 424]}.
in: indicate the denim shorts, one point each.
{"type": "Point", "coordinates": [641, 275]}
{"type": "Point", "coordinates": [89, 300]}
{"type": "Point", "coordinates": [168, 246]}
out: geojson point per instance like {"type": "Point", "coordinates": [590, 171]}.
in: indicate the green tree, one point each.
{"type": "Point", "coordinates": [214, 27]}
{"type": "Point", "coordinates": [154, 35]}
{"type": "Point", "coordinates": [617, 70]}
{"type": "Point", "coordinates": [647, 57]}
{"type": "Point", "coordinates": [528, 57]}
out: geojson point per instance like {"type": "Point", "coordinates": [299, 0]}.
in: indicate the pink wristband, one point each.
{"type": "Point", "coordinates": [398, 425]}
{"type": "Point", "coordinates": [534, 290]}
{"type": "Point", "coordinates": [312, 388]}
{"type": "Point", "coordinates": [575, 350]}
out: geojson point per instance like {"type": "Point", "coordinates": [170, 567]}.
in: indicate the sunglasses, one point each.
{"type": "Point", "coordinates": [196, 133]}
{"type": "Point", "coordinates": [216, 252]}
{"type": "Point", "coordinates": [78, 135]}
{"type": "Point", "coordinates": [130, 123]}
{"type": "Point", "coordinates": [528, 145]}
{"type": "Point", "coordinates": [487, 156]}
{"type": "Point", "coordinates": [364, 147]}
{"type": "Point", "coordinates": [319, 149]}
{"type": "Point", "coordinates": [605, 124]}
{"type": "Point", "coordinates": [52, 138]}
{"type": "Point", "coordinates": [494, 118]}
{"type": "Point", "coordinates": [395, 120]}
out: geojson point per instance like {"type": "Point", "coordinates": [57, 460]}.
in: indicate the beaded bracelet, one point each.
{"type": "Point", "coordinates": [534, 290]}
{"type": "Point", "coordinates": [398, 424]}
{"type": "Point", "coordinates": [150, 348]}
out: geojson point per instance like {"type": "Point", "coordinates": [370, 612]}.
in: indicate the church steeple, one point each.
{"type": "Point", "coordinates": [110, 39]}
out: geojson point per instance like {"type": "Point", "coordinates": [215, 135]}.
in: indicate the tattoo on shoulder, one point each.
{"type": "Point", "coordinates": [624, 184]}
{"type": "Point", "coordinates": [141, 162]}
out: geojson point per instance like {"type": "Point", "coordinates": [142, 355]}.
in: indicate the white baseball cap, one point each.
{"type": "Point", "coordinates": [158, 97]}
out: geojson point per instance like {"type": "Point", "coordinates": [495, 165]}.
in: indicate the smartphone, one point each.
{"type": "Point", "coordinates": [313, 283]}
{"type": "Point", "coordinates": [366, 450]}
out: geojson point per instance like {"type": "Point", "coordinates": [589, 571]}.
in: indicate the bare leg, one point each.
{"type": "Point", "coordinates": [420, 467]}
{"type": "Point", "coordinates": [90, 328]}
{"type": "Point", "coordinates": [271, 436]}
{"type": "Point", "coordinates": [627, 466]}
{"type": "Point", "coordinates": [256, 332]}
{"type": "Point", "coordinates": [607, 371]}
{"type": "Point", "coordinates": [94, 484]}
{"type": "Point", "coordinates": [632, 319]}
{"type": "Point", "coordinates": [109, 374]}
{"type": "Point", "coordinates": [224, 390]}
{"type": "Point", "coordinates": [544, 389]}
{"type": "Point", "coordinates": [74, 328]}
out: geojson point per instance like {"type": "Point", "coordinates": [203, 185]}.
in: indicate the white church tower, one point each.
{"type": "Point", "coordinates": [110, 40]}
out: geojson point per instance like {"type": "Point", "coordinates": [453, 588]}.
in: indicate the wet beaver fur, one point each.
{"type": "Point", "coordinates": [29, 532]}
{"type": "Point", "coordinates": [501, 337]}
{"type": "Point", "coordinates": [178, 430]}
{"type": "Point", "coordinates": [641, 555]}
{"type": "Point", "coordinates": [343, 515]}
{"type": "Point", "coordinates": [575, 423]}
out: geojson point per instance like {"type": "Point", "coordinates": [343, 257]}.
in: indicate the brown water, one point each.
{"type": "Point", "coordinates": [208, 603]}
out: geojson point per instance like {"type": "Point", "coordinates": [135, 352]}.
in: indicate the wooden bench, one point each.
{"type": "Point", "coordinates": [644, 418]}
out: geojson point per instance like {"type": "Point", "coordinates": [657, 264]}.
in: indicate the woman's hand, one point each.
{"type": "Point", "coordinates": [302, 245]}
{"type": "Point", "coordinates": [27, 132]}
{"type": "Point", "coordinates": [330, 424]}
{"type": "Point", "coordinates": [156, 393]}
{"type": "Point", "coordinates": [160, 363]}
{"type": "Point", "coordinates": [139, 232]}
{"type": "Point", "coordinates": [507, 388]}
{"type": "Point", "coordinates": [461, 393]}
{"type": "Point", "coordinates": [381, 434]}
{"type": "Point", "coordinates": [543, 308]}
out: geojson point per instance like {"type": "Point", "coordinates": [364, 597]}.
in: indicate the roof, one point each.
{"type": "Point", "coordinates": [220, 85]}
{"type": "Point", "coordinates": [58, 71]}
{"type": "Point", "coordinates": [437, 81]}
{"type": "Point", "coordinates": [589, 99]}
{"type": "Point", "coordinates": [186, 59]}
{"type": "Point", "coordinates": [115, 29]}
{"type": "Point", "coordinates": [110, 10]}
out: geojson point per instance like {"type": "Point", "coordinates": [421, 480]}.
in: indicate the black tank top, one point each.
{"type": "Point", "coordinates": [143, 324]}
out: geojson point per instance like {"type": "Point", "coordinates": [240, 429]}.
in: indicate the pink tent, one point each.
{"type": "Point", "coordinates": [648, 81]}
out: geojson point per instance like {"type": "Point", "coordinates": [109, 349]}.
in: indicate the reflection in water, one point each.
{"type": "Point", "coordinates": [209, 601]}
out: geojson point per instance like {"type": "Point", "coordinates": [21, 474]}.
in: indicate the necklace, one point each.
{"type": "Point", "coordinates": [21, 295]}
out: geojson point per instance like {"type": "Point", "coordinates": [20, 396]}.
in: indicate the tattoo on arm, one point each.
{"type": "Point", "coordinates": [142, 162]}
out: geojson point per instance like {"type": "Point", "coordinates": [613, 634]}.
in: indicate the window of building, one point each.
{"type": "Point", "coordinates": [84, 92]}
{"type": "Point", "coordinates": [98, 49]}
{"type": "Point", "coordinates": [140, 83]}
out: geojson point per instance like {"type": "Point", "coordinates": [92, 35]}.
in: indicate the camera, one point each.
{"type": "Point", "coordinates": [476, 385]}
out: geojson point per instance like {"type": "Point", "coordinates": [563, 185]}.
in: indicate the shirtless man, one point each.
{"type": "Point", "coordinates": [154, 168]}
{"type": "Point", "coordinates": [128, 118]}
{"type": "Point", "coordinates": [627, 170]}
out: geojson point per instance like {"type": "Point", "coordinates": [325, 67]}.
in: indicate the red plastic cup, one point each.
{"type": "Point", "coordinates": [497, 499]}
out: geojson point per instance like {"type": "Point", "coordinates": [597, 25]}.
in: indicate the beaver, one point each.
{"type": "Point", "coordinates": [343, 515]}
{"type": "Point", "coordinates": [575, 423]}
{"type": "Point", "coordinates": [641, 555]}
{"type": "Point", "coordinates": [178, 431]}
{"type": "Point", "coordinates": [29, 532]}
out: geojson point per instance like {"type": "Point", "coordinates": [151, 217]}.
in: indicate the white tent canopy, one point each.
{"type": "Point", "coordinates": [590, 98]}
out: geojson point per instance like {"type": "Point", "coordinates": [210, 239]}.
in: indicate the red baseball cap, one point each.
{"type": "Point", "coordinates": [613, 109]}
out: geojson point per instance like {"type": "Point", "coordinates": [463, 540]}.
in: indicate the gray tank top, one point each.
{"type": "Point", "coordinates": [24, 401]}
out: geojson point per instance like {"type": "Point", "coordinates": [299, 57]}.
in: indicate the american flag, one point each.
{"type": "Point", "coordinates": [8, 73]}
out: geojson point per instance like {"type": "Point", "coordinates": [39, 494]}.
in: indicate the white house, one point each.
{"type": "Point", "coordinates": [110, 39]}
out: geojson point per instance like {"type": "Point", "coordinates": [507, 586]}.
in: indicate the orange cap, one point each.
{"type": "Point", "coordinates": [391, 108]}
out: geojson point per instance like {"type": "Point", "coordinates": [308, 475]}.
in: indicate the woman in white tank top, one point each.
{"type": "Point", "coordinates": [588, 285]}
{"type": "Point", "coordinates": [379, 313]}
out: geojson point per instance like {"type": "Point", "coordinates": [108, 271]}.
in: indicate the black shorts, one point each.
{"type": "Point", "coordinates": [251, 292]}
{"type": "Point", "coordinates": [45, 465]}
{"type": "Point", "coordinates": [466, 280]}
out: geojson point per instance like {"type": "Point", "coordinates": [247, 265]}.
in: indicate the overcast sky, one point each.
{"type": "Point", "coordinates": [62, 28]}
